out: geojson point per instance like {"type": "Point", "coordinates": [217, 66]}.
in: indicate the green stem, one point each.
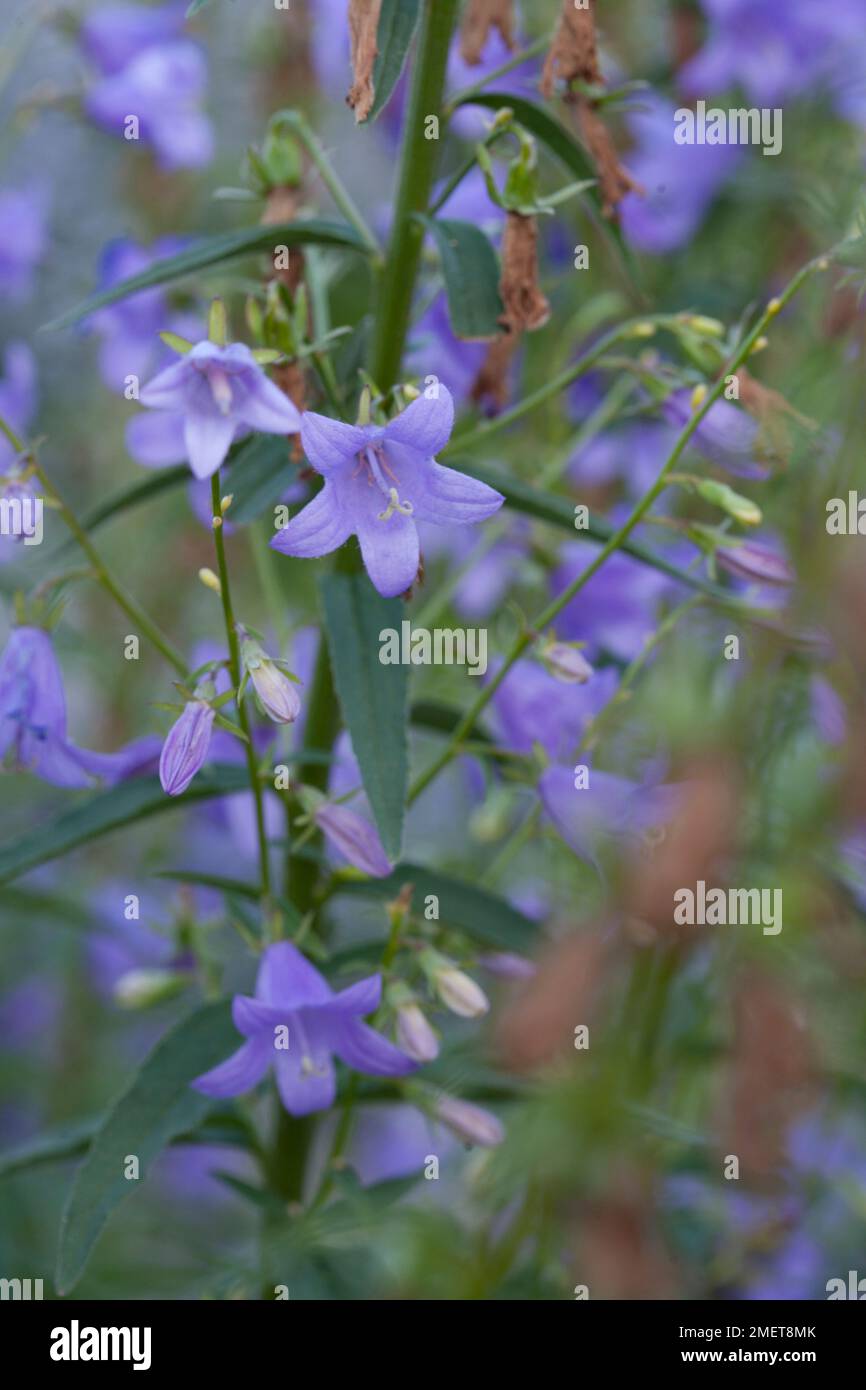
{"type": "Point", "coordinates": [235, 672]}
{"type": "Point", "coordinates": [555, 607]}
{"type": "Point", "coordinates": [415, 181]}
{"type": "Point", "coordinates": [124, 600]}
{"type": "Point", "coordinates": [330, 178]}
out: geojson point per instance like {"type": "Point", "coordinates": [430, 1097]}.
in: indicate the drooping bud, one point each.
{"type": "Point", "coordinates": [350, 835]}
{"type": "Point", "coordinates": [742, 509]}
{"type": "Point", "coordinates": [139, 989]}
{"type": "Point", "coordinates": [480, 17]}
{"type": "Point", "coordinates": [469, 1122]}
{"type": "Point", "coordinates": [508, 966]}
{"type": "Point", "coordinates": [567, 663]}
{"type": "Point", "coordinates": [756, 562]}
{"type": "Point", "coordinates": [455, 988]}
{"type": "Point", "coordinates": [186, 747]}
{"type": "Point", "coordinates": [276, 693]}
{"type": "Point", "coordinates": [415, 1037]}
{"type": "Point", "coordinates": [363, 29]}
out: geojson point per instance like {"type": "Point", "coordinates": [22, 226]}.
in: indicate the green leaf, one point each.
{"type": "Point", "coordinates": [561, 143]}
{"type": "Point", "coordinates": [373, 697]}
{"type": "Point", "coordinates": [92, 816]}
{"type": "Point", "coordinates": [156, 1107]}
{"type": "Point", "coordinates": [482, 916]}
{"type": "Point", "coordinates": [398, 21]}
{"type": "Point", "coordinates": [214, 250]}
{"type": "Point", "coordinates": [66, 1141]}
{"type": "Point", "coordinates": [259, 473]}
{"type": "Point", "coordinates": [471, 270]}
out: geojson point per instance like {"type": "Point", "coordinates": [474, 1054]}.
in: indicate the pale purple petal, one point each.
{"type": "Point", "coordinates": [330, 444]}
{"type": "Point", "coordinates": [319, 528]}
{"type": "Point", "coordinates": [361, 998]}
{"type": "Point", "coordinates": [241, 1072]}
{"type": "Point", "coordinates": [425, 425]}
{"type": "Point", "coordinates": [288, 979]}
{"type": "Point", "coordinates": [449, 498]}
{"type": "Point", "coordinates": [155, 441]}
{"type": "Point", "coordinates": [208, 439]}
{"type": "Point", "coordinates": [390, 550]}
{"type": "Point", "coordinates": [367, 1051]}
{"type": "Point", "coordinates": [186, 747]}
{"type": "Point", "coordinates": [266, 408]}
{"type": "Point", "coordinates": [306, 1081]}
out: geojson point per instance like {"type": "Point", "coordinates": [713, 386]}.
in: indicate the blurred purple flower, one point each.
{"type": "Point", "coordinates": [295, 1023]}
{"type": "Point", "coordinates": [469, 1122]}
{"type": "Point", "coordinates": [33, 720]}
{"type": "Point", "coordinates": [727, 436]}
{"type": "Point", "coordinates": [828, 711]}
{"type": "Point", "coordinates": [777, 49]}
{"type": "Point", "coordinates": [380, 481]}
{"type": "Point", "coordinates": [17, 396]}
{"type": "Point", "coordinates": [609, 808]}
{"type": "Point", "coordinates": [186, 747]}
{"type": "Point", "coordinates": [149, 72]}
{"type": "Point", "coordinates": [23, 239]}
{"type": "Point", "coordinates": [752, 561]}
{"type": "Point", "coordinates": [129, 331]}
{"type": "Point", "coordinates": [532, 706]}
{"type": "Point", "coordinates": [616, 611]}
{"type": "Point", "coordinates": [218, 392]}
{"type": "Point", "coordinates": [680, 181]}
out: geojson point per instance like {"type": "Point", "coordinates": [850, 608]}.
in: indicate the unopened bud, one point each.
{"type": "Point", "coordinates": [415, 1037]}
{"type": "Point", "coordinates": [566, 662]}
{"type": "Point", "coordinates": [469, 1122]}
{"type": "Point", "coordinates": [742, 509]}
{"type": "Point", "coordinates": [209, 580]}
{"type": "Point", "coordinates": [139, 989]}
{"type": "Point", "coordinates": [455, 988]}
{"type": "Point", "coordinates": [275, 692]}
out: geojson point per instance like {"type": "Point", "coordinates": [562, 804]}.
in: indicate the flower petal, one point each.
{"type": "Point", "coordinates": [424, 425]}
{"type": "Point", "coordinates": [168, 389]}
{"type": "Point", "coordinates": [286, 978]}
{"type": "Point", "coordinates": [361, 998]}
{"type": "Point", "coordinates": [155, 441]}
{"type": "Point", "coordinates": [318, 529]}
{"type": "Point", "coordinates": [266, 408]}
{"type": "Point", "coordinates": [241, 1072]}
{"type": "Point", "coordinates": [208, 439]}
{"type": "Point", "coordinates": [305, 1083]}
{"type": "Point", "coordinates": [367, 1051]}
{"type": "Point", "coordinates": [449, 498]}
{"type": "Point", "coordinates": [390, 550]}
{"type": "Point", "coordinates": [330, 444]}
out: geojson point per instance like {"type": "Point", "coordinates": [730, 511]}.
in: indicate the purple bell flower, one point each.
{"type": "Point", "coordinates": [617, 609]}
{"type": "Point", "coordinates": [33, 720]}
{"type": "Point", "coordinates": [115, 34]}
{"type": "Point", "coordinates": [752, 561]}
{"type": "Point", "coordinates": [531, 706]}
{"type": "Point", "coordinates": [186, 747]}
{"type": "Point", "coordinates": [297, 1023]}
{"type": "Point", "coordinates": [23, 239]}
{"type": "Point", "coordinates": [379, 482]}
{"type": "Point", "coordinates": [219, 392]}
{"type": "Point", "coordinates": [129, 331]}
{"type": "Point", "coordinates": [727, 436]}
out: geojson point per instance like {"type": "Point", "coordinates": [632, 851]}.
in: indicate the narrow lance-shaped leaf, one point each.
{"type": "Point", "coordinates": [214, 250]}
{"type": "Point", "coordinates": [398, 21]}
{"type": "Point", "coordinates": [373, 697]}
{"type": "Point", "coordinates": [157, 1106]}
{"type": "Point", "coordinates": [95, 815]}
{"type": "Point", "coordinates": [471, 271]}
{"type": "Point", "coordinates": [484, 917]}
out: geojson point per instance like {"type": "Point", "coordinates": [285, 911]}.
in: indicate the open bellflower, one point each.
{"type": "Point", "coordinates": [219, 392]}
{"type": "Point", "coordinates": [297, 1024]}
{"type": "Point", "coordinates": [380, 480]}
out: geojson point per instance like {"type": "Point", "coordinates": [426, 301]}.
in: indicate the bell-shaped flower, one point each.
{"type": "Point", "coordinates": [380, 481]}
{"type": "Point", "coordinates": [297, 1024]}
{"type": "Point", "coordinates": [219, 392]}
{"type": "Point", "coordinates": [186, 747]}
{"type": "Point", "coordinates": [33, 720]}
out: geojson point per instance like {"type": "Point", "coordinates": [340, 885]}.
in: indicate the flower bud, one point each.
{"type": "Point", "coordinates": [567, 663]}
{"type": "Point", "coordinates": [742, 509]}
{"type": "Point", "coordinates": [275, 692]}
{"type": "Point", "coordinates": [415, 1037]}
{"type": "Point", "coordinates": [139, 989]}
{"type": "Point", "coordinates": [507, 965]}
{"type": "Point", "coordinates": [469, 1122]}
{"type": "Point", "coordinates": [455, 988]}
{"type": "Point", "coordinates": [353, 837]}
{"type": "Point", "coordinates": [186, 747]}
{"type": "Point", "coordinates": [755, 562]}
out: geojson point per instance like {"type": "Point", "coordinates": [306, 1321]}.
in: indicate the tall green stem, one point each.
{"type": "Point", "coordinates": [415, 180]}
{"type": "Point", "coordinates": [235, 672]}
